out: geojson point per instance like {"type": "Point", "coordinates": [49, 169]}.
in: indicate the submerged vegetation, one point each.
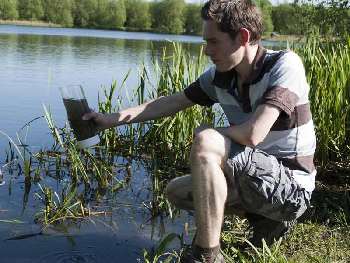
{"type": "Point", "coordinates": [163, 145]}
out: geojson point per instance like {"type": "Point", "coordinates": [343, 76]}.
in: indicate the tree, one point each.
{"type": "Point", "coordinates": [65, 8]}
{"type": "Point", "coordinates": [110, 14]}
{"type": "Point", "coordinates": [168, 16]}
{"type": "Point", "coordinates": [30, 9]}
{"type": "Point", "coordinates": [330, 17]}
{"type": "Point", "coordinates": [59, 12]}
{"type": "Point", "coordinates": [266, 9]}
{"type": "Point", "coordinates": [84, 13]}
{"type": "Point", "coordinates": [117, 16]}
{"type": "Point", "coordinates": [138, 14]}
{"type": "Point", "coordinates": [102, 14]}
{"type": "Point", "coordinates": [8, 9]}
{"type": "Point", "coordinates": [333, 17]}
{"type": "Point", "coordinates": [293, 18]}
{"type": "Point", "coordinates": [193, 19]}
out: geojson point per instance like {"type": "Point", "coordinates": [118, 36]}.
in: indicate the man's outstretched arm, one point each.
{"type": "Point", "coordinates": [160, 107]}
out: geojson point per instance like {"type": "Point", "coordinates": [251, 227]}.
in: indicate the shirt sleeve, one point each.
{"type": "Point", "coordinates": [195, 93]}
{"type": "Point", "coordinates": [282, 98]}
{"type": "Point", "coordinates": [287, 85]}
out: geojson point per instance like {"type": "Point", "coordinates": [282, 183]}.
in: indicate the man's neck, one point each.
{"type": "Point", "coordinates": [245, 68]}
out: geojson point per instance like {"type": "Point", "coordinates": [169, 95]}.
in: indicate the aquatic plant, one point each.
{"type": "Point", "coordinates": [172, 136]}
{"type": "Point", "coordinates": [85, 171]}
{"type": "Point", "coordinates": [67, 206]}
{"type": "Point", "coordinates": [159, 254]}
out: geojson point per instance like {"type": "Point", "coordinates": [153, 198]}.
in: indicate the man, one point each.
{"type": "Point", "coordinates": [261, 166]}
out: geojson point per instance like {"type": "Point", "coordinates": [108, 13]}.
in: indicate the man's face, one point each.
{"type": "Point", "coordinates": [225, 52]}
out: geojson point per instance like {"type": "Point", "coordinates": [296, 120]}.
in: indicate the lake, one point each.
{"type": "Point", "coordinates": [35, 62]}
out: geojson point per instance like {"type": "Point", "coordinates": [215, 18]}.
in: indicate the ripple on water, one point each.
{"type": "Point", "coordinates": [71, 257]}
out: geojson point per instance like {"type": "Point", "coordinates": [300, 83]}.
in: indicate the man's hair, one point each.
{"type": "Point", "coordinates": [232, 15]}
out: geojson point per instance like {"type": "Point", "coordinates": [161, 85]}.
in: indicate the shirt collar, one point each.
{"type": "Point", "coordinates": [223, 79]}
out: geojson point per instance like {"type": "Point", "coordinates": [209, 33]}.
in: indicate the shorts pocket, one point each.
{"type": "Point", "coordinates": [263, 163]}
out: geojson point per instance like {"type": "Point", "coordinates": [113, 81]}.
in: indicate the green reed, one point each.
{"type": "Point", "coordinates": [86, 171]}
{"type": "Point", "coordinates": [83, 166]}
{"type": "Point", "coordinates": [172, 136]}
{"type": "Point", "coordinates": [159, 254]}
{"type": "Point", "coordinates": [58, 208]}
{"type": "Point", "coordinates": [109, 138]}
{"type": "Point", "coordinates": [327, 65]}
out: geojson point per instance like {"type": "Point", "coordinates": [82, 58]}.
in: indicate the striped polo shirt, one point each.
{"type": "Point", "coordinates": [278, 79]}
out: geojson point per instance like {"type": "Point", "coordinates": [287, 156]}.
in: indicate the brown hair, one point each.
{"type": "Point", "coordinates": [232, 15]}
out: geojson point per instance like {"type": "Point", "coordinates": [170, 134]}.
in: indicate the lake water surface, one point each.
{"type": "Point", "coordinates": [34, 62]}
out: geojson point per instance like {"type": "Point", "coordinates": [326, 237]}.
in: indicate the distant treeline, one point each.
{"type": "Point", "coordinates": [174, 16]}
{"type": "Point", "coordinates": [328, 17]}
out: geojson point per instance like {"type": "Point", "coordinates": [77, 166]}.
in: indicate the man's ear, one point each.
{"type": "Point", "coordinates": [245, 36]}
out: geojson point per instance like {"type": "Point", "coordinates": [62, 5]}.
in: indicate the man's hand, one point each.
{"type": "Point", "coordinates": [102, 121]}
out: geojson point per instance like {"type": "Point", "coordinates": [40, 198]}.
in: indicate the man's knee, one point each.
{"type": "Point", "coordinates": [209, 144]}
{"type": "Point", "coordinates": [203, 140]}
{"type": "Point", "coordinates": [177, 189]}
{"type": "Point", "coordinates": [170, 192]}
{"type": "Point", "coordinates": [179, 192]}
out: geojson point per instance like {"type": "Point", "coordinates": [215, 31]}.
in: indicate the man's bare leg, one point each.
{"type": "Point", "coordinates": [179, 193]}
{"type": "Point", "coordinates": [209, 153]}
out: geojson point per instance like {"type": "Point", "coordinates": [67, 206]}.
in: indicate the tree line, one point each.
{"type": "Point", "coordinates": [170, 16]}
{"type": "Point", "coordinates": [175, 16]}
{"type": "Point", "coordinates": [328, 17]}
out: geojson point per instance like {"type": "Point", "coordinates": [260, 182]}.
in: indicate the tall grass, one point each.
{"type": "Point", "coordinates": [327, 65]}
{"type": "Point", "coordinates": [173, 135]}
{"type": "Point", "coordinates": [170, 138]}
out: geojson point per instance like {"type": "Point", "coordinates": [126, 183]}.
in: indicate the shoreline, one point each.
{"type": "Point", "coordinates": [29, 23]}
{"type": "Point", "coordinates": [285, 38]}
{"type": "Point", "coordinates": [266, 37]}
